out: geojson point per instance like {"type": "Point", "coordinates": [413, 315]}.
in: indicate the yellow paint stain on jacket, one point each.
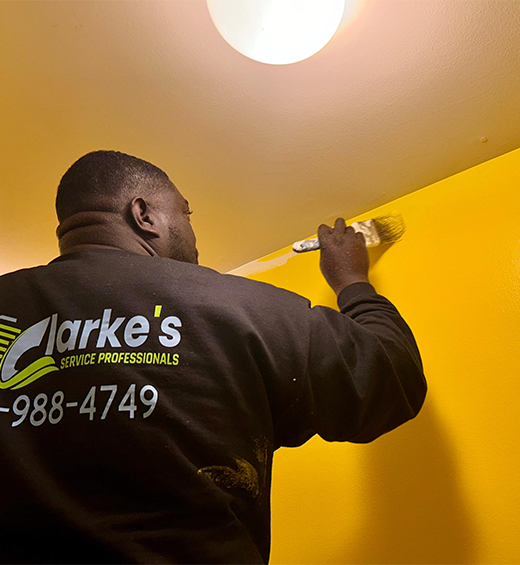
{"type": "Point", "coordinates": [244, 476]}
{"type": "Point", "coordinates": [445, 487]}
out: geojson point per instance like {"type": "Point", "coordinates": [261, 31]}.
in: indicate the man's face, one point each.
{"type": "Point", "coordinates": [179, 241]}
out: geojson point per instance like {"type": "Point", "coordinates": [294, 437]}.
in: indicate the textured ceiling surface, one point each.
{"type": "Point", "coordinates": [408, 93]}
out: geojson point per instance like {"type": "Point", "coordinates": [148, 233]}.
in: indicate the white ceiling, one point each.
{"type": "Point", "coordinates": [410, 92]}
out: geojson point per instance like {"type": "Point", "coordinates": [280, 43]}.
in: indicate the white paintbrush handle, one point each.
{"type": "Point", "coordinates": [367, 228]}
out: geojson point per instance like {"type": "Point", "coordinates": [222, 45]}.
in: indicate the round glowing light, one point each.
{"type": "Point", "coordinates": [278, 32]}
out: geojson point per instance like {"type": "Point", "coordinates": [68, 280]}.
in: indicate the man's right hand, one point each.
{"type": "Point", "coordinates": [344, 257]}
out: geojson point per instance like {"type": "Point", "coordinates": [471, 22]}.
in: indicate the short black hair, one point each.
{"type": "Point", "coordinates": [105, 181]}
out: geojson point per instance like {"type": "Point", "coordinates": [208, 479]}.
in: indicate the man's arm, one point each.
{"type": "Point", "coordinates": [363, 376]}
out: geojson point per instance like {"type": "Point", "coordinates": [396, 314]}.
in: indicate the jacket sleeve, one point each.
{"type": "Point", "coordinates": [363, 375]}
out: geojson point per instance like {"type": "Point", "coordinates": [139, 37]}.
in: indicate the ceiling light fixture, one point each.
{"type": "Point", "coordinates": [278, 32]}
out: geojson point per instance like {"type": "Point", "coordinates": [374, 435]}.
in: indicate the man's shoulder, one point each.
{"type": "Point", "coordinates": [19, 274]}
{"type": "Point", "coordinates": [131, 268]}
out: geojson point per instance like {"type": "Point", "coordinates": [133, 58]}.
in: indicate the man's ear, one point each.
{"type": "Point", "coordinates": [143, 218]}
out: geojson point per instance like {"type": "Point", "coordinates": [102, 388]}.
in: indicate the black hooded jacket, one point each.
{"type": "Point", "coordinates": [141, 401]}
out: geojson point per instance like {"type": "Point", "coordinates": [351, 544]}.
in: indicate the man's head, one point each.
{"type": "Point", "coordinates": [113, 199]}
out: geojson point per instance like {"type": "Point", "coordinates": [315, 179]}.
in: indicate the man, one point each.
{"type": "Point", "coordinates": [142, 396]}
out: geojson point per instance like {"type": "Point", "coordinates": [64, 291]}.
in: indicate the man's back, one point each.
{"type": "Point", "coordinates": [143, 399]}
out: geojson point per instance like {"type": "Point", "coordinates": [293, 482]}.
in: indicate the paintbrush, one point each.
{"type": "Point", "coordinates": [383, 229]}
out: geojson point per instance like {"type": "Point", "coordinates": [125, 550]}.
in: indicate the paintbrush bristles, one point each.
{"type": "Point", "coordinates": [389, 228]}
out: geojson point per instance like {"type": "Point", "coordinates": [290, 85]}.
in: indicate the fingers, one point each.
{"type": "Point", "coordinates": [339, 227]}
{"type": "Point", "coordinates": [340, 232]}
{"type": "Point", "coordinates": [359, 236]}
{"type": "Point", "coordinates": [323, 231]}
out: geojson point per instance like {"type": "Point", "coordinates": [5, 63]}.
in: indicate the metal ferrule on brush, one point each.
{"type": "Point", "coordinates": [368, 229]}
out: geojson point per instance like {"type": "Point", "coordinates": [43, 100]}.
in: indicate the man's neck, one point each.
{"type": "Point", "coordinates": [99, 230]}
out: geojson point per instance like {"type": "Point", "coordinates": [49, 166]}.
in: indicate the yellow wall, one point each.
{"type": "Point", "coordinates": [444, 488]}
